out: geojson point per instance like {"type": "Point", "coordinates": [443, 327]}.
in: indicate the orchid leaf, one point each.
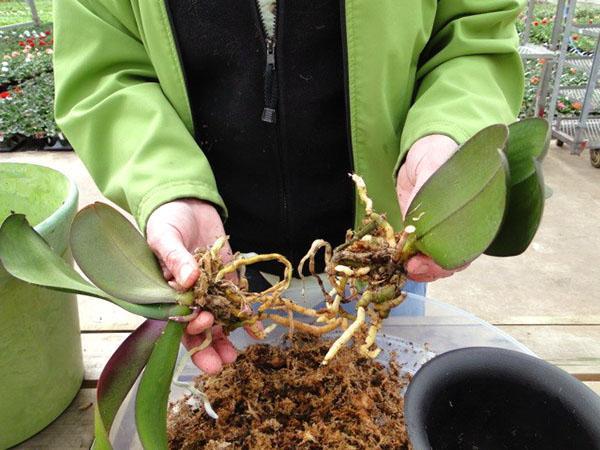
{"type": "Point", "coordinates": [116, 258]}
{"type": "Point", "coordinates": [153, 391]}
{"type": "Point", "coordinates": [528, 143]}
{"type": "Point", "coordinates": [119, 374]}
{"type": "Point", "coordinates": [459, 210]}
{"type": "Point", "coordinates": [26, 256]}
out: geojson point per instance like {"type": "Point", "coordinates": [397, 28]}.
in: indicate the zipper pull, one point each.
{"type": "Point", "coordinates": [269, 113]}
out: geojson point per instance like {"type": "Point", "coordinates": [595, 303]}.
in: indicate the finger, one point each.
{"type": "Point", "coordinates": [404, 187]}
{"type": "Point", "coordinates": [200, 324]}
{"type": "Point", "coordinates": [422, 268]}
{"type": "Point", "coordinates": [422, 177]}
{"type": "Point", "coordinates": [207, 360]}
{"type": "Point", "coordinates": [223, 346]}
{"type": "Point", "coordinates": [167, 244]}
{"type": "Point", "coordinates": [166, 272]}
{"type": "Point", "coordinates": [226, 255]}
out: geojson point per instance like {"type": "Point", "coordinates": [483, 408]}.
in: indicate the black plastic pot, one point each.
{"type": "Point", "coordinates": [489, 399]}
{"type": "Point", "coordinates": [12, 143]}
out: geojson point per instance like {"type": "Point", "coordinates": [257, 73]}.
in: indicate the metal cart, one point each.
{"type": "Point", "coordinates": [577, 131]}
{"type": "Point", "coordinates": [549, 54]}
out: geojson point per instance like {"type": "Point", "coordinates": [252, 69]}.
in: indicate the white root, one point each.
{"type": "Point", "coordinates": [270, 329]}
{"type": "Point", "coordinates": [361, 189]}
{"type": "Point", "coordinates": [196, 393]}
{"type": "Point", "coordinates": [346, 335]}
{"type": "Point", "coordinates": [369, 341]}
{"type": "Point", "coordinates": [217, 246]}
{"type": "Point", "coordinates": [314, 248]}
{"type": "Point", "coordinates": [335, 306]}
{"type": "Point", "coordinates": [362, 271]}
{"type": "Point", "coordinates": [344, 269]}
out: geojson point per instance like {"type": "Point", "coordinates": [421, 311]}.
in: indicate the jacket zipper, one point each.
{"type": "Point", "coordinates": [347, 96]}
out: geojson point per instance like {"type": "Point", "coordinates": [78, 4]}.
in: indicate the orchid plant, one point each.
{"type": "Point", "coordinates": [488, 198]}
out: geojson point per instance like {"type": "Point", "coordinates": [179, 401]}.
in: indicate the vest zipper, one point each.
{"type": "Point", "coordinates": [269, 113]}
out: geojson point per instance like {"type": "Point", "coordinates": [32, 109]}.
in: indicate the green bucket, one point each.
{"type": "Point", "coordinates": [41, 365]}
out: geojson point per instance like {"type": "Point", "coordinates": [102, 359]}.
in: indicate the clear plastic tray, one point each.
{"type": "Point", "coordinates": [420, 329]}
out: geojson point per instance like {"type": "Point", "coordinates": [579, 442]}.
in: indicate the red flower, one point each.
{"type": "Point", "coordinates": [535, 80]}
{"type": "Point", "coordinates": [47, 32]}
{"type": "Point", "coordinates": [4, 94]}
{"type": "Point", "coordinates": [575, 37]}
{"type": "Point", "coordinates": [535, 23]}
{"type": "Point", "coordinates": [21, 43]}
{"type": "Point", "coordinates": [41, 43]}
{"type": "Point", "coordinates": [544, 21]}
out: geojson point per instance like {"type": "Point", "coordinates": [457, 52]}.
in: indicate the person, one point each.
{"type": "Point", "coordinates": [245, 116]}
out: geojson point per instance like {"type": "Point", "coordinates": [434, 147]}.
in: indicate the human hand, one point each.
{"type": "Point", "coordinates": [424, 157]}
{"type": "Point", "coordinates": [174, 230]}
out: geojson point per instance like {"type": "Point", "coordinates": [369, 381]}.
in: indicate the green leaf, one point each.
{"type": "Point", "coordinates": [528, 143]}
{"type": "Point", "coordinates": [153, 391]}
{"type": "Point", "coordinates": [459, 210]}
{"type": "Point", "coordinates": [116, 258]}
{"type": "Point", "coordinates": [26, 256]}
{"type": "Point", "coordinates": [119, 374]}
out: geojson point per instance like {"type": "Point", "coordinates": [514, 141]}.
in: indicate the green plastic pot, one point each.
{"type": "Point", "coordinates": [41, 365]}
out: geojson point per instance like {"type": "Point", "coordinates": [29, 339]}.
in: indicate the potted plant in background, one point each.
{"type": "Point", "coordinates": [41, 366]}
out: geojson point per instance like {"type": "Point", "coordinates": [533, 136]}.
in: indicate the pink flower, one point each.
{"type": "Point", "coordinates": [561, 105]}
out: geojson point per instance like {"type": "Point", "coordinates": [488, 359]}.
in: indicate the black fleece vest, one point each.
{"type": "Point", "coordinates": [285, 183]}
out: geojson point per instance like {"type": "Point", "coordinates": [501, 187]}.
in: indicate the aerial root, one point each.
{"type": "Point", "coordinates": [304, 327]}
{"type": "Point", "coordinates": [346, 335]}
{"type": "Point", "coordinates": [188, 317]}
{"type": "Point", "coordinates": [367, 269]}
{"type": "Point", "coordinates": [196, 393]}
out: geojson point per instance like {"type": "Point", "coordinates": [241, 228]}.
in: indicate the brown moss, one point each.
{"type": "Point", "coordinates": [281, 397]}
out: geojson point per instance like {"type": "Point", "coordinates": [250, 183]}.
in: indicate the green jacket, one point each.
{"type": "Point", "coordinates": [414, 68]}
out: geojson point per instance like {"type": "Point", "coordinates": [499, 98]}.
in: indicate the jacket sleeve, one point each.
{"type": "Point", "coordinates": [470, 73]}
{"type": "Point", "coordinates": [112, 109]}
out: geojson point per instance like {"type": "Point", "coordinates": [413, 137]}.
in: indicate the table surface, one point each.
{"type": "Point", "coordinates": [574, 347]}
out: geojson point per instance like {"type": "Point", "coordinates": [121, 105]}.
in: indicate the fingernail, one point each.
{"type": "Point", "coordinates": [186, 272]}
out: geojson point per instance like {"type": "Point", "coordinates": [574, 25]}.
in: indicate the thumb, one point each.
{"type": "Point", "coordinates": [422, 176]}
{"type": "Point", "coordinates": [168, 246]}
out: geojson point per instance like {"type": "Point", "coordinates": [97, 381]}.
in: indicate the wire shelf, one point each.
{"type": "Point", "coordinates": [583, 63]}
{"type": "Point", "coordinates": [577, 93]}
{"type": "Point", "coordinates": [535, 51]}
{"type": "Point", "coordinates": [588, 30]}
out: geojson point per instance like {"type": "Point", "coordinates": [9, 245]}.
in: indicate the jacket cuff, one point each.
{"type": "Point", "coordinates": [411, 135]}
{"type": "Point", "coordinates": [164, 193]}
